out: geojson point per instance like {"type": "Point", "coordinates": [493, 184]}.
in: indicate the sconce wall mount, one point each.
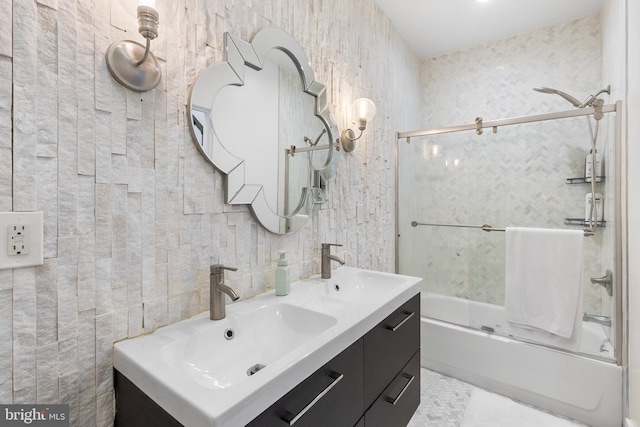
{"type": "Point", "coordinates": [131, 64]}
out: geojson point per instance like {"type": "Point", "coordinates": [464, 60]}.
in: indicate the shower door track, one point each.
{"type": "Point", "coordinates": [620, 267]}
{"type": "Point", "coordinates": [610, 108]}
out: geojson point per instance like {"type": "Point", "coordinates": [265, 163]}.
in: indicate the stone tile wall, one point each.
{"type": "Point", "coordinates": [133, 215]}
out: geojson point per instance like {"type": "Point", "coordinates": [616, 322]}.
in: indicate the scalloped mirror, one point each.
{"type": "Point", "coordinates": [262, 119]}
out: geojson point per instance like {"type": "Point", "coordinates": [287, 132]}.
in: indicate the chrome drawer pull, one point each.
{"type": "Point", "coordinates": [392, 400]}
{"type": "Point", "coordinates": [291, 419]}
{"type": "Point", "coordinates": [394, 328]}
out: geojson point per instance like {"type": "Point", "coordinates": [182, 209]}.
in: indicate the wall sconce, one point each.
{"type": "Point", "coordinates": [130, 63]}
{"type": "Point", "coordinates": [362, 111]}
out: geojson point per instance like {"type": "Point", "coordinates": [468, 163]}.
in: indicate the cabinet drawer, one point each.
{"type": "Point", "coordinates": [398, 402]}
{"type": "Point", "coordinates": [331, 396]}
{"type": "Point", "coordinates": [389, 346]}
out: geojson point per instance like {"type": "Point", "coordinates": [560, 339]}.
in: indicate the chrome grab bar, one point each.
{"type": "Point", "coordinates": [484, 227]}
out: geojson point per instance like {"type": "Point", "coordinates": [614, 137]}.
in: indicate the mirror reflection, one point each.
{"type": "Point", "coordinates": [267, 127]}
{"type": "Point", "coordinates": [261, 120]}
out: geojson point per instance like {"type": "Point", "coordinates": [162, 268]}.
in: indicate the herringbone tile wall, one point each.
{"type": "Point", "coordinates": [515, 177]}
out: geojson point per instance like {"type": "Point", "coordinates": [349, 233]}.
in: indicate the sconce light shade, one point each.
{"type": "Point", "coordinates": [362, 111]}
{"type": "Point", "coordinates": [130, 63]}
{"type": "Point", "coordinates": [166, 8]}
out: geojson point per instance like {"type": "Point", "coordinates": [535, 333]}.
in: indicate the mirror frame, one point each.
{"type": "Point", "coordinates": [239, 54]}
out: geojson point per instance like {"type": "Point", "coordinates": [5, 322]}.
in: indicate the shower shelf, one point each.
{"type": "Point", "coordinates": [582, 222]}
{"type": "Point", "coordinates": [583, 180]}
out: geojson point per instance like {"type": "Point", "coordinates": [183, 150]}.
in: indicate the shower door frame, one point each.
{"type": "Point", "coordinates": [620, 227]}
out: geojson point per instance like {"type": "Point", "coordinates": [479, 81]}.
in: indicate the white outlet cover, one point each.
{"type": "Point", "coordinates": [36, 240]}
{"type": "Point", "coordinates": [18, 239]}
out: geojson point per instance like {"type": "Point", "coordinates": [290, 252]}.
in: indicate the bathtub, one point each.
{"type": "Point", "coordinates": [586, 387]}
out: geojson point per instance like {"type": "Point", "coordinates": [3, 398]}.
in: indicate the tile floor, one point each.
{"type": "Point", "coordinates": [443, 401]}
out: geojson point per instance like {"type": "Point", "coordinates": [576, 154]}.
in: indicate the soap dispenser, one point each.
{"type": "Point", "coordinates": [283, 283]}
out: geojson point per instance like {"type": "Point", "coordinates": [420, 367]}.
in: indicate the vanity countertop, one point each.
{"type": "Point", "coordinates": [200, 376]}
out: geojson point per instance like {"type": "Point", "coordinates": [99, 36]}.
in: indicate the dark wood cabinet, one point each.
{"type": "Point", "coordinates": [135, 408]}
{"type": "Point", "coordinates": [389, 346]}
{"type": "Point", "coordinates": [397, 403]}
{"type": "Point", "coordinates": [390, 388]}
{"type": "Point", "coordinates": [331, 396]}
{"type": "Point", "coordinates": [375, 382]}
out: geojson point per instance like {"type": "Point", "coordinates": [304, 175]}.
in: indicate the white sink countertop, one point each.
{"type": "Point", "coordinates": [200, 377]}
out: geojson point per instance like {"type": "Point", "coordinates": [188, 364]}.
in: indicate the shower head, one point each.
{"type": "Point", "coordinates": [566, 96]}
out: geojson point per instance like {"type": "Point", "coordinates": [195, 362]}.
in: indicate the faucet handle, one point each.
{"type": "Point", "coordinates": [217, 268]}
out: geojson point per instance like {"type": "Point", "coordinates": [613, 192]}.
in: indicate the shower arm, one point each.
{"type": "Point", "coordinates": [593, 100]}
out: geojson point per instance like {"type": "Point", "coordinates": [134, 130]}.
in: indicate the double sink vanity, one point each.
{"type": "Point", "coordinates": [335, 351]}
{"type": "Point", "coordinates": [342, 351]}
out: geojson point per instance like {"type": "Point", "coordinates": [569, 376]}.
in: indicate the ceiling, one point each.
{"type": "Point", "coordinates": [436, 27]}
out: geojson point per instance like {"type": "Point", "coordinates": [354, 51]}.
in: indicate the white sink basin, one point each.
{"type": "Point", "coordinates": [226, 352]}
{"type": "Point", "coordinates": [358, 286]}
{"type": "Point", "coordinates": [201, 379]}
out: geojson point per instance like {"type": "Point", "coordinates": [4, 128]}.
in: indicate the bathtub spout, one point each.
{"type": "Point", "coordinates": [601, 320]}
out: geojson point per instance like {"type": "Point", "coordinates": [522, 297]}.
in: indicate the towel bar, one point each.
{"type": "Point", "coordinates": [483, 227]}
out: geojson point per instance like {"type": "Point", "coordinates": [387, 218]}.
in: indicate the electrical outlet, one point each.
{"type": "Point", "coordinates": [21, 239]}
{"type": "Point", "coordinates": [18, 239]}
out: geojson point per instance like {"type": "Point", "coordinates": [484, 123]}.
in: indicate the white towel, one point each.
{"type": "Point", "coordinates": [543, 285]}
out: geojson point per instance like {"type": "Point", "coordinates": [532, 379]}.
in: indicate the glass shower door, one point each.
{"type": "Point", "coordinates": [520, 176]}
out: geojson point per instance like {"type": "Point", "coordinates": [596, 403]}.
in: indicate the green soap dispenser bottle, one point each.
{"type": "Point", "coordinates": [283, 283]}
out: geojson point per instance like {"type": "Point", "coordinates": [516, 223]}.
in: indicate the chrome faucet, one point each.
{"type": "Point", "coordinates": [601, 320]}
{"type": "Point", "coordinates": [217, 308]}
{"type": "Point", "coordinates": [327, 258]}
